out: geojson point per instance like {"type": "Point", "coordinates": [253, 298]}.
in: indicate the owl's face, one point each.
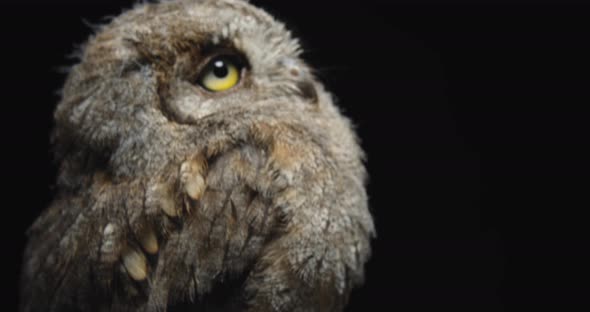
{"type": "Point", "coordinates": [154, 80]}
{"type": "Point", "coordinates": [214, 56]}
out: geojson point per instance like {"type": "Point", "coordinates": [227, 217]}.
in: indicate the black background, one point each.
{"type": "Point", "coordinates": [473, 116]}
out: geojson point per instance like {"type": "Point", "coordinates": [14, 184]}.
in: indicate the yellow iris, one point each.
{"type": "Point", "coordinates": [220, 75]}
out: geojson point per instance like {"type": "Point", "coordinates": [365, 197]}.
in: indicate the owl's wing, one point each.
{"type": "Point", "coordinates": [74, 247]}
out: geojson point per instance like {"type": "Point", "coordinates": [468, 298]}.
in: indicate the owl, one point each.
{"type": "Point", "coordinates": [201, 167]}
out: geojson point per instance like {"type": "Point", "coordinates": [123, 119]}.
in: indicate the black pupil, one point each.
{"type": "Point", "coordinates": [220, 69]}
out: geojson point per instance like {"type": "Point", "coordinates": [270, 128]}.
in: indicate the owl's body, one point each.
{"type": "Point", "coordinates": [171, 195]}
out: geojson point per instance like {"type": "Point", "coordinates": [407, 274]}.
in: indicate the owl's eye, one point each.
{"type": "Point", "coordinates": [220, 74]}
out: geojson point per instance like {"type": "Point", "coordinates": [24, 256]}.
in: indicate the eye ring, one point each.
{"type": "Point", "coordinates": [221, 73]}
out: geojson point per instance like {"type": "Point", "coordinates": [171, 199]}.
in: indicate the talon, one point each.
{"type": "Point", "coordinates": [149, 241]}
{"type": "Point", "coordinates": [135, 264]}
{"type": "Point", "coordinates": [109, 237]}
{"type": "Point", "coordinates": [159, 195]}
{"type": "Point", "coordinates": [168, 206]}
{"type": "Point", "coordinates": [192, 178]}
{"type": "Point", "coordinates": [195, 187]}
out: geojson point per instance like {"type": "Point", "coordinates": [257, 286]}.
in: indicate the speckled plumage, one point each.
{"type": "Point", "coordinates": [172, 197]}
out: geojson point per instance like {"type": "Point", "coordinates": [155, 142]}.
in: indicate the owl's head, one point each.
{"type": "Point", "coordinates": [164, 79]}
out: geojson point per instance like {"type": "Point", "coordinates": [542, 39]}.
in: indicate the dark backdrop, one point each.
{"type": "Point", "coordinates": [473, 116]}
